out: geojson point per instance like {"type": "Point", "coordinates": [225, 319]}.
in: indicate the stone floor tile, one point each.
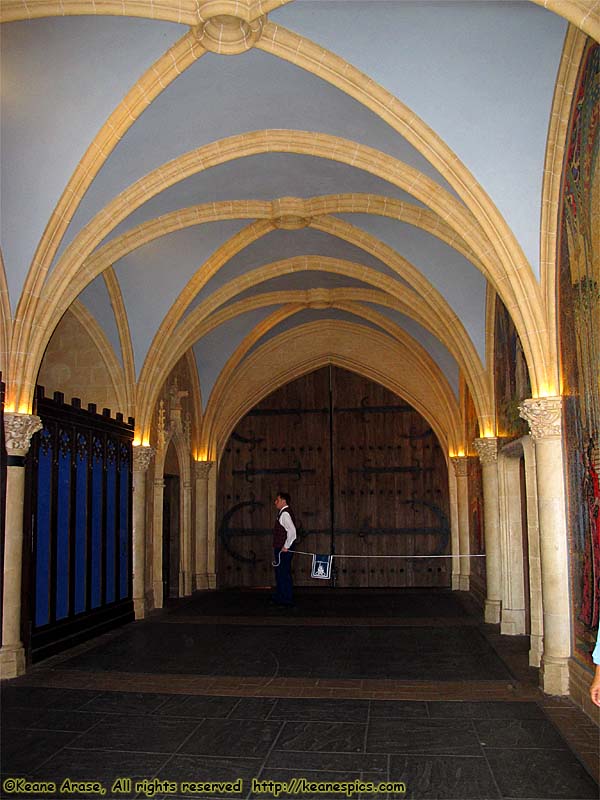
{"type": "Point", "coordinates": [333, 737]}
{"type": "Point", "coordinates": [241, 738]}
{"type": "Point", "coordinates": [430, 777]}
{"type": "Point", "coordinates": [426, 736]}
{"type": "Point", "coordinates": [540, 774]}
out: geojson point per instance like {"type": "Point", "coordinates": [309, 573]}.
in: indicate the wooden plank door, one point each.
{"type": "Point", "coordinates": [366, 475]}
{"type": "Point", "coordinates": [390, 489]}
{"type": "Point", "coordinates": [281, 445]}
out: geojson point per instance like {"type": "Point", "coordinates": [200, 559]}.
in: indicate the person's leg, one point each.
{"type": "Point", "coordinates": [279, 578]}
{"type": "Point", "coordinates": [285, 590]}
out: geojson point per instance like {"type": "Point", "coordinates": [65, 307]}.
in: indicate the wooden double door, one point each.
{"type": "Point", "coordinates": [367, 479]}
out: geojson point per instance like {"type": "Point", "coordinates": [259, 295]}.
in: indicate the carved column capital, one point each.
{"type": "Point", "coordinates": [142, 455]}
{"type": "Point", "coordinates": [487, 449]}
{"type": "Point", "coordinates": [18, 430]}
{"type": "Point", "coordinates": [543, 415]}
{"type": "Point", "coordinates": [461, 466]}
{"type": "Point", "coordinates": [202, 469]}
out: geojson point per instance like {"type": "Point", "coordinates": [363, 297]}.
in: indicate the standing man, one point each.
{"type": "Point", "coordinates": [284, 536]}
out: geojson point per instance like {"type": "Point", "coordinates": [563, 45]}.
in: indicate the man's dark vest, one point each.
{"type": "Point", "coordinates": [279, 532]}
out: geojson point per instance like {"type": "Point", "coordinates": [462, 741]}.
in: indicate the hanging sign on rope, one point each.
{"type": "Point", "coordinates": [321, 566]}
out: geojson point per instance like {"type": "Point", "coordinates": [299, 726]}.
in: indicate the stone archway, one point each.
{"type": "Point", "coordinates": [177, 433]}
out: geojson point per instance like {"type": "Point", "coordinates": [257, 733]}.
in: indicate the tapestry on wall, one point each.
{"type": "Point", "coordinates": [512, 381]}
{"type": "Point", "coordinates": [579, 309]}
{"type": "Point", "coordinates": [476, 539]}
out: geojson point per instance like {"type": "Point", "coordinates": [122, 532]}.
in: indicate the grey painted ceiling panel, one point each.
{"type": "Point", "coordinates": [96, 299]}
{"type": "Point", "coordinates": [303, 281]}
{"type": "Point", "coordinates": [481, 74]}
{"type": "Point", "coordinates": [264, 177]}
{"type": "Point", "coordinates": [462, 285]}
{"type": "Point", "coordinates": [152, 277]}
{"type": "Point", "coordinates": [214, 350]}
{"type": "Point", "coordinates": [281, 244]}
{"type": "Point", "coordinates": [218, 97]}
{"type": "Point", "coordinates": [438, 352]}
{"type": "Point", "coordinates": [312, 315]}
{"type": "Point", "coordinates": [58, 88]}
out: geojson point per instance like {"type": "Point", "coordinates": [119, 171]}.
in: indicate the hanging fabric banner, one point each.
{"type": "Point", "coordinates": [321, 566]}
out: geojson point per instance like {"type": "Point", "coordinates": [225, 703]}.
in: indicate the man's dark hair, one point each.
{"type": "Point", "coordinates": [285, 496]}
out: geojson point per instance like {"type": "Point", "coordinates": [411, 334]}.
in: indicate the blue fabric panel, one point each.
{"type": "Point", "coordinates": [62, 525]}
{"type": "Point", "coordinates": [42, 554]}
{"type": "Point", "coordinates": [81, 514]}
{"type": "Point", "coordinates": [111, 501]}
{"type": "Point", "coordinates": [97, 501]}
{"type": "Point", "coordinates": [124, 523]}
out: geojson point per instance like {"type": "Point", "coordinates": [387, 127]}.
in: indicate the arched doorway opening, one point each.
{"type": "Point", "coordinates": [171, 526]}
{"type": "Point", "coordinates": [367, 476]}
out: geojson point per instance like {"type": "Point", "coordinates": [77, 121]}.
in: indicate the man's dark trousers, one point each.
{"type": "Point", "coordinates": [283, 577]}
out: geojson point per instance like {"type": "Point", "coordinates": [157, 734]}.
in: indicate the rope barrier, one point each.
{"type": "Point", "coordinates": [379, 555]}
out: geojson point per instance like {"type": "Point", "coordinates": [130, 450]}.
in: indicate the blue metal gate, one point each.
{"type": "Point", "coordinates": [80, 503]}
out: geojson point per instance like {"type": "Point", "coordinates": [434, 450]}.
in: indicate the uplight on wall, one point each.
{"type": "Point", "coordinates": [457, 453]}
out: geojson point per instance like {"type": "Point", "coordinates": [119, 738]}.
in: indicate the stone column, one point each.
{"type": "Point", "coordinates": [142, 456]}
{"type": "Point", "coordinates": [212, 530]}
{"type": "Point", "coordinates": [487, 450]}
{"type": "Point", "coordinates": [461, 470]}
{"type": "Point", "coordinates": [513, 618]}
{"type": "Point", "coordinates": [201, 567]}
{"type": "Point", "coordinates": [186, 529]}
{"type": "Point", "coordinates": [18, 428]}
{"type": "Point", "coordinates": [544, 416]}
{"type": "Point", "coordinates": [157, 542]}
{"type": "Point", "coordinates": [454, 537]}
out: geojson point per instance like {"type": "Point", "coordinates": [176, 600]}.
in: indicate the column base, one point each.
{"type": "Point", "coordinates": [513, 622]}
{"type": "Point", "coordinates": [139, 607]}
{"type": "Point", "coordinates": [158, 595]}
{"type": "Point", "coordinates": [212, 580]}
{"type": "Point", "coordinates": [554, 675]}
{"type": "Point", "coordinates": [149, 598]}
{"type": "Point", "coordinates": [185, 584]}
{"type": "Point", "coordinates": [464, 583]}
{"type": "Point", "coordinates": [536, 650]}
{"type": "Point", "coordinates": [12, 661]}
{"type": "Point", "coordinates": [455, 582]}
{"type": "Point", "coordinates": [492, 611]}
{"type": "Point", "coordinates": [201, 581]}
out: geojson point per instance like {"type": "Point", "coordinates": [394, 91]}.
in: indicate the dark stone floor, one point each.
{"type": "Point", "coordinates": [424, 653]}
{"type": "Point", "coordinates": [57, 723]}
{"type": "Point", "coordinates": [339, 604]}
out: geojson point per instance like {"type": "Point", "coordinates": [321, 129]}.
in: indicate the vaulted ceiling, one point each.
{"type": "Point", "coordinates": [216, 176]}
